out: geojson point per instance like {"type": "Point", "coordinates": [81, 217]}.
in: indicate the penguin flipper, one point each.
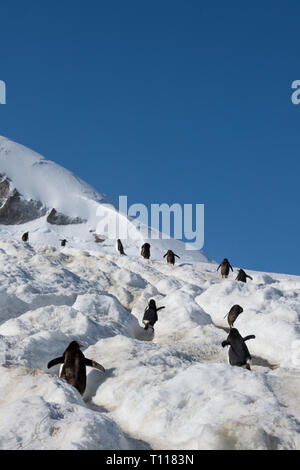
{"type": "Point", "coordinates": [225, 343]}
{"type": "Point", "coordinates": [54, 362]}
{"type": "Point", "coordinates": [90, 363]}
{"type": "Point", "coordinates": [249, 337]}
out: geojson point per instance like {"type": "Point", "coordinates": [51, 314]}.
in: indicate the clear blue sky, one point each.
{"type": "Point", "coordinates": [167, 101]}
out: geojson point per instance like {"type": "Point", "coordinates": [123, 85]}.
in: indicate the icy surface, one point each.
{"type": "Point", "coordinates": [172, 389]}
{"type": "Point", "coordinates": [175, 390]}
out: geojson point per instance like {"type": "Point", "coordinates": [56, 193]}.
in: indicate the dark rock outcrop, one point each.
{"type": "Point", "coordinates": [15, 210]}
{"type": "Point", "coordinates": [57, 218]}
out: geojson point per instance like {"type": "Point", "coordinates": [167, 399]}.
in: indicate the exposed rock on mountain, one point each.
{"type": "Point", "coordinates": [57, 218]}
{"type": "Point", "coordinates": [14, 209]}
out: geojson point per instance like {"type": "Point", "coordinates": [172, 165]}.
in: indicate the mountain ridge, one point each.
{"type": "Point", "coordinates": [51, 202]}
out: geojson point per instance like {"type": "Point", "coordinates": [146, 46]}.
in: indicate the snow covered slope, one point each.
{"type": "Point", "coordinates": [173, 391]}
{"type": "Point", "coordinates": [41, 185]}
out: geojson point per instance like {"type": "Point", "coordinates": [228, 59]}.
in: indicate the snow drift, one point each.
{"type": "Point", "coordinates": [171, 391]}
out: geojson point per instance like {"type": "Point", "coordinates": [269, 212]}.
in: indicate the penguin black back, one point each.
{"type": "Point", "coordinates": [238, 352]}
{"type": "Point", "coordinates": [74, 371]}
{"type": "Point", "coordinates": [150, 315]}
{"type": "Point", "coordinates": [225, 267]}
{"type": "Point", "coordinates": [120, 247]}
{"type": "Point", "coordinates": [74, 366]}
{"type": "Point", "coordinates": [242, 276]}
{"type": "Point", "coordinates": [25, 236]}
{"type": "Point", "coordinates": [145, 252]}
{"type": "Point", "coordinates": [171, 257]}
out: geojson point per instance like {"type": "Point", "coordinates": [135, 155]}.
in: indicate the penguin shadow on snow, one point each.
{"type": "Point", "coordinates": [94, 382]}
{"type": "Point", "coordinates": [141, 334]}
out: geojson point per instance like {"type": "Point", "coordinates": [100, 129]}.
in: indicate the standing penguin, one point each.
{"type": "Point", "coordinates": [25, 236]}
{"type": "Point", "coordinates": [145, 252]}
{"type": "Point", "coordinates": [238, 352]}
{"type": "Point", "coordinates": [150, 315]}
{"type": "Point", "coordinates": [63, 242]}
{"type": "Point", "coordinates": [74, 366]}
{"type": "Point", "coordinates": [233, 313]}
{"type": "Point", "coordinates": [225, 266]}
{"type": "Point", "coordinates": [171, 257]}
{"type": "Point", "coordinates": [120, 247]}
{"type": "Point", "coordinates": [242, 276]}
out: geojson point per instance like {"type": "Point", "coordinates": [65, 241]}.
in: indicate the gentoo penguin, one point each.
{"type": "Point", "coordinates": [238, 352]}
{"type": "Point", "coordinates": [150, 315]}
{"type": "Point", "coordinates": [233, 313]}
{"type": "Point", "coordinates": [146, 251]}
{"type": "Point", "coordinates": [63, 242]}
{"type": "Point", "coordinates": [171, 257]}
{"type": "Point", "coordinates": [225, 266]}
{"type": "Point", "coordinates": [25, 236]}
{"type": "Point", "coordinates": [242, 276]}
{"type": "Point", "coordinates": [74, 366]}
{"type": "Point", "coordinates": [120, 247]}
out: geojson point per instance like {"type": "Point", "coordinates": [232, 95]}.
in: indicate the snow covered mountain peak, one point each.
{"type": "Point", "coordinates": [51, 202]}
{"type": "Point", "coordinates": [37, 178]}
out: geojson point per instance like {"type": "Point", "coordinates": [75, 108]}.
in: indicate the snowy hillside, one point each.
{"type": "Point", "coordinates": [32, 187]}
{"type": "Point", "coordinates": [171, 390]}
{"type": "Point", "coordinates": [174, 392]}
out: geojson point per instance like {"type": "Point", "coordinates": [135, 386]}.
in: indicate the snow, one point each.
{"type": "Point", "coordinates": [42, 180]}
{"type": "Point", "coordinates": [171, 389]}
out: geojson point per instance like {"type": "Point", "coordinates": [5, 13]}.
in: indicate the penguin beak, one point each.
{"type": "Point", "coordinates": [81, 346]}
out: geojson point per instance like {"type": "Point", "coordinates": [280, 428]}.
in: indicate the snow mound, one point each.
{"type": "Point", "coordinates": [168, 389]}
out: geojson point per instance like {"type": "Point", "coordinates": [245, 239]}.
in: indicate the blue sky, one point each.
{"type": "Point", "coordinates": [167, 101]}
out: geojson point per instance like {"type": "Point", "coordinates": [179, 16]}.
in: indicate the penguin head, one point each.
{"type": "Point", "coordinates": [73, 346]}
{"type": "Point", "coordinates": [234, 332]}
{"type": "Point", "coordinates": [152, 303]}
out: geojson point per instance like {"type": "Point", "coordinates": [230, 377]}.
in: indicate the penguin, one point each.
{"type": "Point", "coordinates": [74, 366]}
{"type": "Point", "coordinates": [171, 257]}
{"type": "Point", "coordinates": [25, 236]}
{"type": "Point", "coordinates": [145, 252]}
{"type": "Point", "coordinates": [150, 315]}
{"type": "Point", "coordinates": [225, 266]}
{"type": "Point", "coordinates": [242, 276]}
{"type": "Point", "coordinates": [63, 242]}
{"type": "Point", "coordinates": [233, 313]}
{"type": "Point", "coordinates": [120, 247]}
{"type": "Point", "coordinates": [238, 352]}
